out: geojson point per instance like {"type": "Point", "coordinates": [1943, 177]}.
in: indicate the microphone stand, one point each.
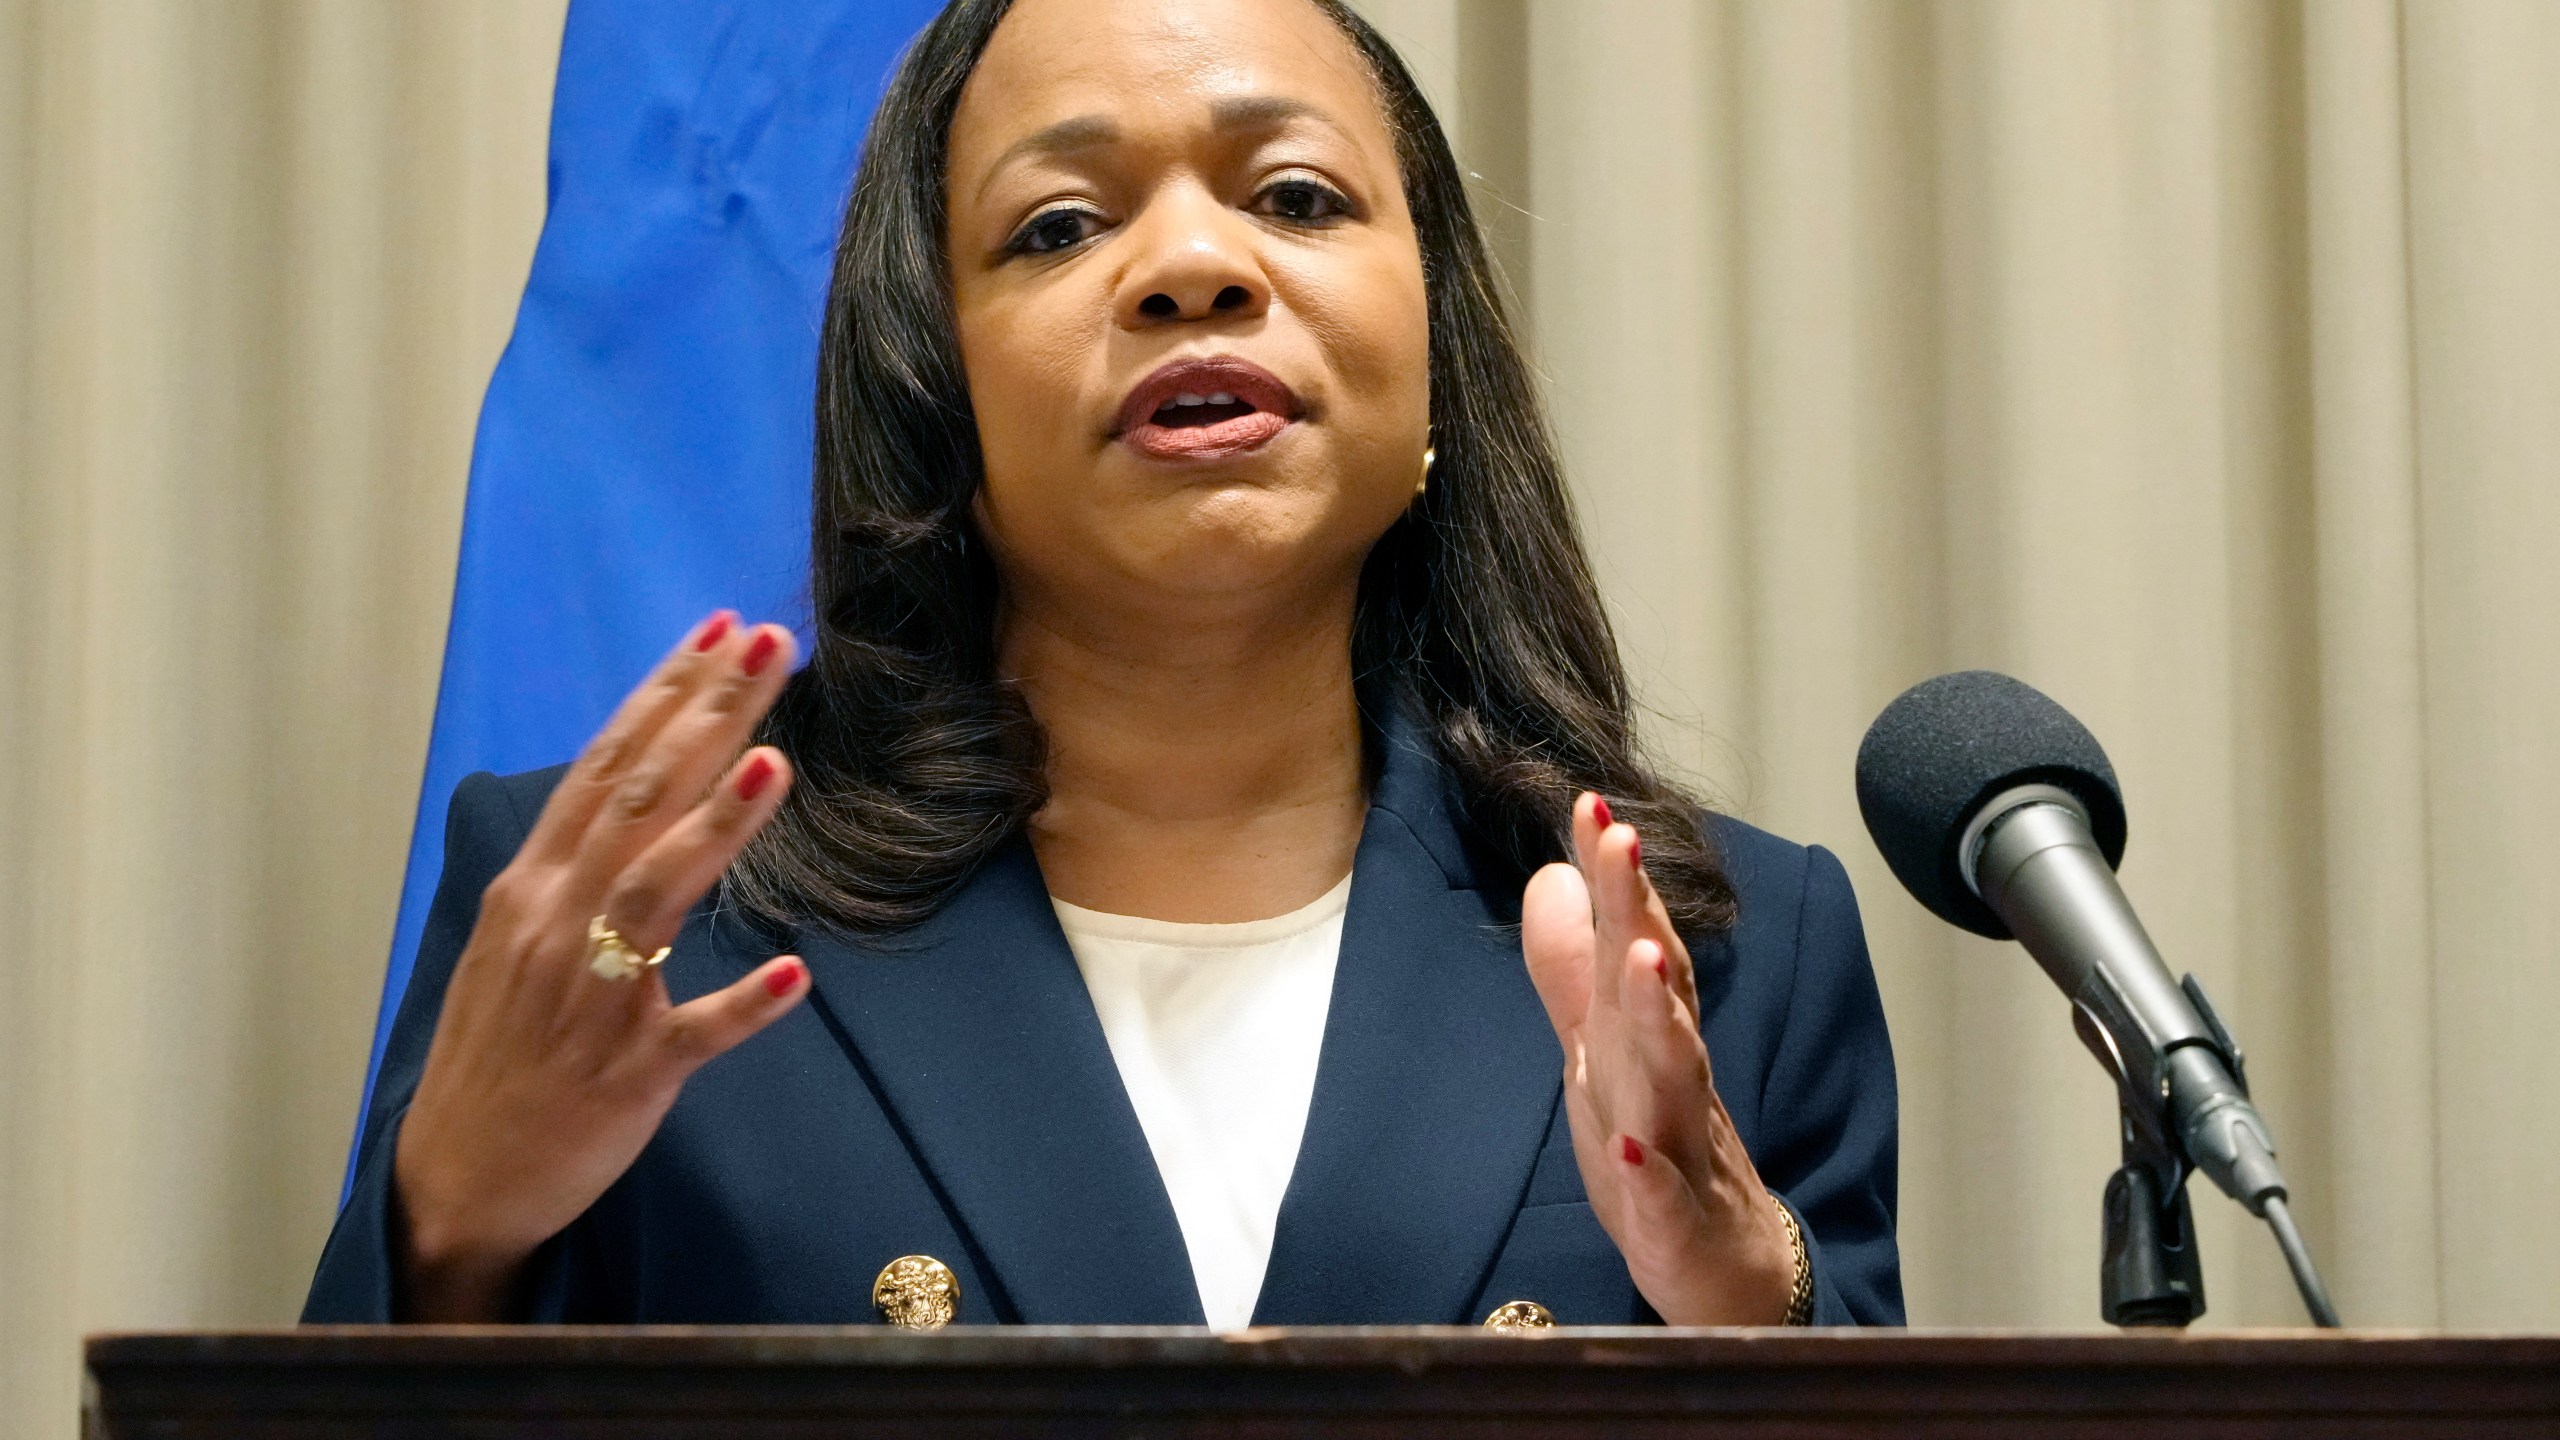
{"type": "Point", "coordinates": [2151, 1273]}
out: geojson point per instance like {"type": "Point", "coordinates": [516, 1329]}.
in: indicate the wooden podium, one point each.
{"type": "Point", "coordinates": [641, 1384]}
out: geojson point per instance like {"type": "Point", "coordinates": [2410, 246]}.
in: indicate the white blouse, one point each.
{"type": "Point", "coordinates": [1216, 1029]}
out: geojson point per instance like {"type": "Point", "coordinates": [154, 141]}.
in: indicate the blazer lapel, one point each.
{"type": "Point", "coordinates": [1438, 1078]}
{"type": "Point", "coordinates": [977, 1034]}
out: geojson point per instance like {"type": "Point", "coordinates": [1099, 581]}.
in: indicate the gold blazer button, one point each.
{"type": "Point", "coordinates": [916, 1292]}
{"type": "Point", "coordinates": [1520, 1315]}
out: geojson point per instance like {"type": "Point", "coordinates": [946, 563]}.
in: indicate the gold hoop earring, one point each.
{"type": "Point", "coordinates": [1429, 454]}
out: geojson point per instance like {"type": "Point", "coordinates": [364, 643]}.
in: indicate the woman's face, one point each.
{"type": "Point", "coordinates": [1190, 306]}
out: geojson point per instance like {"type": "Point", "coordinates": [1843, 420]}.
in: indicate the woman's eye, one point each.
{"type": "Point", "coordinates": [1302, 201]}
{"type": "Point", "coordinates": [1055, 230]}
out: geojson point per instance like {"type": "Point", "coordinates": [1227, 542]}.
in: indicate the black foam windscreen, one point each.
{"type": "Point", "coordinates": [1947, 746]}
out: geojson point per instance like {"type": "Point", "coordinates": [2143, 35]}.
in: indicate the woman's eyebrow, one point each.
{"type": "Point", "coordinates": [1273, 112]}
{"type": "Point", "coordinates": [1084, 132]}
{"type": "Point", "coordinates": [1265, 112]}
{"type": "Point", "coordinates": [1067, 136]}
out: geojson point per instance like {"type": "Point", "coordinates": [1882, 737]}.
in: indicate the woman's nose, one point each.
{"type": "Point", "coordinates": [1200, 265]}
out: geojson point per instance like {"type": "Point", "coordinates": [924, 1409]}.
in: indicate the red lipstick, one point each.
{"type": "Point", "coordinates": [1205, 408]}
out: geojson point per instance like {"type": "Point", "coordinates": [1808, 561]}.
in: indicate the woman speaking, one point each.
{"type": "Point", "coordinates": [1205, 872]}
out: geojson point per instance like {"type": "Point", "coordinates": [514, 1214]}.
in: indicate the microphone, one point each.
{"type": "Point", "coordinates": [1999, 812]}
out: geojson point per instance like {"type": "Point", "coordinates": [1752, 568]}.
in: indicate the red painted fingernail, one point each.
{"type": "Point", "coordinates": [713, 632]}
{"type": "Point", "coordinates": [753, 779]}
{"type": "Point", "coordinates": [784, 979]}
{"type": "Point", "coordinates": [1629, 1150]}
{"type": "Point", "coordinates": [1661, 965]}
{"type": "Point", "coordinates": [760, 653]}
{"type": "Point", "coordinates": [1635, 851]}
{"type": "Point", "coordinates": [1600, 811]}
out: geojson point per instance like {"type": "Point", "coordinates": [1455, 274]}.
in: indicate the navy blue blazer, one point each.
{"type": "Point", "coordinates": [950, 1093]}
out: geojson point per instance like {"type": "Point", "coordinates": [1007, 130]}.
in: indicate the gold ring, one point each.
{"type": "Point", "coordinates": [611, 957]}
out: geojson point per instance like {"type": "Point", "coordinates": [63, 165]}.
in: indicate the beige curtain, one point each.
{"type": "Point", "coordinates": [2194, 361]}
{"type": "Point", "coordinates": [2197, 362]}
{"type": "Point", "coordinates": [255, 262]}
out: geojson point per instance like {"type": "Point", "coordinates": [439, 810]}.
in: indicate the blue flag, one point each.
{"type": "Point", "coordinates": [644, 449]}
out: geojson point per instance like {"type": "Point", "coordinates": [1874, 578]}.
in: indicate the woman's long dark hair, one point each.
{"type": "Point", "coordinates": [1476, 612]}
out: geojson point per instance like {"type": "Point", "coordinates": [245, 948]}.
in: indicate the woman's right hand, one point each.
{"type": "Point", "coordinates": [544, 1080]}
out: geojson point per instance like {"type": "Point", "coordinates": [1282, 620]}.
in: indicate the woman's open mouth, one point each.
{"type": "Point", "coordinates": [1205, 409]}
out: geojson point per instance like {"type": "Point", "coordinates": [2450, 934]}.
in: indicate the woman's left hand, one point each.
{"type": "Point", "coordinates": [1666, 1173]}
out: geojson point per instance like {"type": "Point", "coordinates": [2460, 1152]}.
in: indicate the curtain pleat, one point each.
{"type": "Point", "coordinates": [256, 259]}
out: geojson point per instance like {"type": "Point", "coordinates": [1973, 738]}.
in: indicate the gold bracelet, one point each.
{"type": "Point", "coordinates": [1800, 1295]}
